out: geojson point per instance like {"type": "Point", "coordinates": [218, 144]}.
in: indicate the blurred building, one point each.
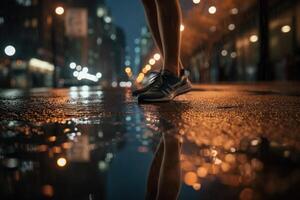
{"type": "Point", "coordinates": [232, 44]}
{"type": "Point", "coordinates": [102, 51]}
{"type": "Point", "coordinates": [37, 35]}
{"type": "Point", "coordinates": [25, 36]}
{"type": "Point", "coordinates": [236, 40]}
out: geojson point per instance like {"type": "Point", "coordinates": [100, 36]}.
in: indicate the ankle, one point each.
{"type": "Point", "coordinates": [173, 72]}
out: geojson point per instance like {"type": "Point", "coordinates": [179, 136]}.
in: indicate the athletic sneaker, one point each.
{"type": "Point", "coordinates": [153, 76]}
{"type": "Point", "coordinates": [165, 88]}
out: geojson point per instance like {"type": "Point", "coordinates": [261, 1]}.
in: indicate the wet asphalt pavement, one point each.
{"type": "Point", "coordinates": [217, 142]}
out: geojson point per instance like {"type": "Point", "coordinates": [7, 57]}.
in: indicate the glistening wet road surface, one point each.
{"type": "Point", "coordinates": [217, 142]}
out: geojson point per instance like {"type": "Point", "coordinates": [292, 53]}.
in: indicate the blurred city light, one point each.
{"type": "Point", "coordinates": [148, 67]}
{"type": "Point", "coordinates": [48, 190]}
{"type": "Point", "coordinates": [157, 56]}
{"type": "Point", "coordinates": [72, 65]}
{"type": "Point", "coordinates": [125, 84]}
{"type": "Point", "coordinates": [78, 68]}
{"type": "Point", "coordinates": [114, 84]}
{"type": "Point", "coordinates": [234, 11]}
{"type": "Point", "coordinates": [212, 10]}
{"type": "Point", "coordinates": [231, 27]}
{"type": "Point", "coordinates": [99, 75]}
{"type": "Point", "coordinates": [75, 74]}
{"type": "Point", "coordinates": [61, 162]}
{"type": "Point", "coordinates": [101, 12]}
{"type": "Point", "coordinates": [107, 19]}
{"type": "Point", "coordinates": [85, 70]}
{"type": "Point", "coordinates": [213, 29]}
{"type": "Point", "coordinates": [224, 52]}
{"type": "Point", "coordinates": [127, 62]}
{"type": "Point", "coordinates": [286, 29]}
{"type": "Point", "coordinates": [196, 1]}
{"type": "Point", "coordinates": [233, 55]}
{"type": "Point", "coordinates": [10, 50]}
{"type": "Point", "coordinates": [40, 65]}
{"type": "Point", "coordinates": [140, 78]}
{"type": "Point", "coordinates": [127, 70]}
{"type": "Point", "coordinates": [253, 38]}
{"type": "Point", "coordinates": [182, 27]}
{"type": "Point", "coordinates": [87, 76]}
{"type": "Point", "coordinates": [152, 61]}
{"type": "Point", "coordinates": [113, 36]}
{"type": "Point", "coordinates": [59, 10]}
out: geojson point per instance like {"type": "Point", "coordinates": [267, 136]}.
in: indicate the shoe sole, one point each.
{"type": "Point", "coordinates": [182, 91]}
{"type": "Point", "coordinates": [187, 88]}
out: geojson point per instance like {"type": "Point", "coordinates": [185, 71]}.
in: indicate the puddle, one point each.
{"type": "Point", "coordinates": [120, 155]}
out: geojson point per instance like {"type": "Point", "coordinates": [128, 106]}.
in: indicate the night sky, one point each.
{"type": "Point", "coordinates": [128, 14]}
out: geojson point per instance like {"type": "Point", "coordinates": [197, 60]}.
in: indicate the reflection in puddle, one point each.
{"type": "Point", "coordinates": [135, 151]}
{"type": "Point", "coordinates": [237, 166]}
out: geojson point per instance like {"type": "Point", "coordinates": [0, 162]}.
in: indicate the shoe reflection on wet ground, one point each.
{"type": "Point", "coordinates": [140, 152]}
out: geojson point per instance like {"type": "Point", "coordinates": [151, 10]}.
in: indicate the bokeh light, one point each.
{"type": "Point", "coordinates": [10, 50]}
{"type": "Point", "coordinates": [61, 162]}
{"type": "Point", "coordinates": [59, 10]}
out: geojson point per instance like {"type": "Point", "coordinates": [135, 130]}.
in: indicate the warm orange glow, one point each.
{"type": "Point", "coordinates": [144, 70]}
{"type": "Point", "coordinates": [148, 67]}
{"type": "Point", "coordinates": [257, 165]}
{"type": "Point", "coordinates": [61, 162]}
{"type": "Point", "coordinates": [247, 194]}
{"type": "Point", "coordinates": [128, 70]}
{"type": "Point", "coordinates": [214, 169]}
{"type": "Point", "coordinates": [140, 78]}
{"type": "Point", "coordinates": [52, 139]}
{"type": "Point", "coordinates": [190, 178]}
{"type": "Point", "coordinates": [56, 150]}
{"type": "Point", "coordinates": [187, 165]}
{"type": "Point", "coordinates": [66, 130]}
{"type": "Point", "coordinates": [202, 172]}
{"type": "Point", "coordinates": [42, 148]}
{"type": "Point", "coordinates": [231, 180]}
{"type": "Point", "coordinates": [67, 145]}
{"type": "Point", "coordinates": [47, 190]}
{"type": "Point", "coordinates": [230, 158]}
{"type": "Point", "coordinates": [225, 167]}
{"type": "Point", "coordinates": [197, 186]}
